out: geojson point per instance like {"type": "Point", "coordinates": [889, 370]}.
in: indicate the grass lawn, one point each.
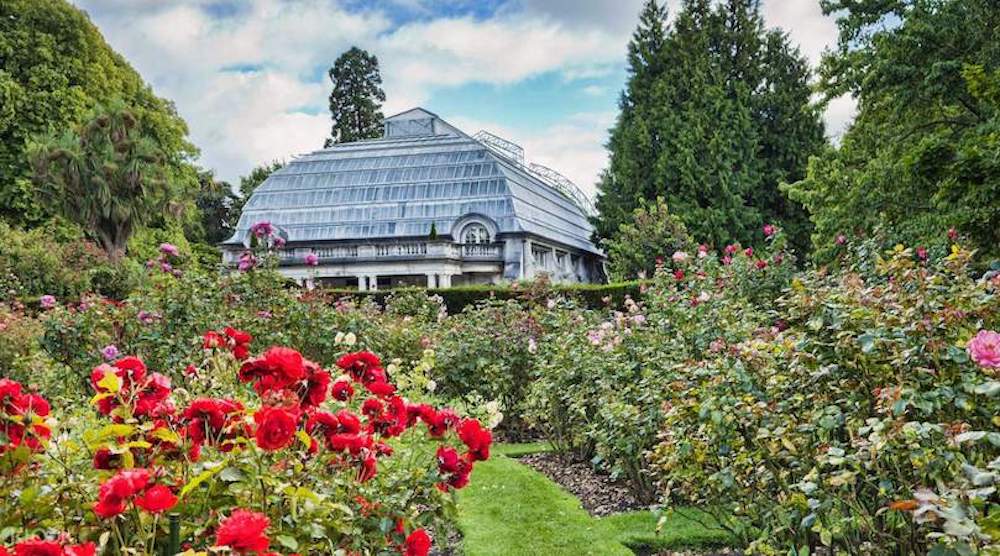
{"type": "Point", "coordinates": [511, 509]}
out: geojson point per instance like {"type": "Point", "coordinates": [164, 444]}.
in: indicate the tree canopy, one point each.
{"type": "Point", "coordinates": [55, 67]}
{"type": "Point", "coordinates": [357, 97]}
{"type": "Point", "coordinates": [715, 115]}
{"type": "Point", "coordinates": [923, 154]}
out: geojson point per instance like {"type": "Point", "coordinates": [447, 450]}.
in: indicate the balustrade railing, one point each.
{"type": "Point", "coordinates": [410, 249]}
{"type": "Point", "coordinates": [490, 250]}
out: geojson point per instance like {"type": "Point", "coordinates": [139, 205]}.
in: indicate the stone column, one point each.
{"type": "Point", "coordinates": [373, 282]}
{"type": "Point", "coordinates": [431, 281]}
{"type": "Point", "coordinates": [445, 281]}
{"type": "Point", "coordinates": [362, 283]}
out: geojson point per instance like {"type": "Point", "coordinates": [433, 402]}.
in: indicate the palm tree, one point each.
{"type": "Point", "coordinates": [107, 176]}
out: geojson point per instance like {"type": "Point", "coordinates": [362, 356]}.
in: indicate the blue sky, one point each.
{"type": "Point", "coordinates": [250, 76]}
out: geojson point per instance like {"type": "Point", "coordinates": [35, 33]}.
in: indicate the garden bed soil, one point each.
{"type": "Point", "coordinates": [598, 494]}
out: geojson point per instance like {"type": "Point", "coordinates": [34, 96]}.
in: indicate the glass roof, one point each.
{"type": "Point", "coordinates": [423, 172]}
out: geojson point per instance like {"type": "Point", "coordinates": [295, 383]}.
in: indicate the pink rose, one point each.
{"type": "Point", "coordinates": [769, 230]}
{"type": "Point", "coordinates": [312, 259]}
{"type": "Point", "coordinates": [984, 349]}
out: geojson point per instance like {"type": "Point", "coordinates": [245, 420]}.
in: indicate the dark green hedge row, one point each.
{"type": "Point", "coordinates": [594, 296]}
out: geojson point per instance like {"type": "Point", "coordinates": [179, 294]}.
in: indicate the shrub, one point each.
{"type": "Point", "coordinates": [858, 422]}
{"type": "Point", "coordinates": [49, 260]}
{"type": "Point", "coordinates": [488, 350]}
{"type": "Point", "coordinates": [652, 233]}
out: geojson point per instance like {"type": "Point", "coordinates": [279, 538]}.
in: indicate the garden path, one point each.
{"type": "Point", "coordinates": [509, 509]}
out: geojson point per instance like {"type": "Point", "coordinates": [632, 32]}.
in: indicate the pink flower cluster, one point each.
{"type": "Point", "coordinates": [984, 349]}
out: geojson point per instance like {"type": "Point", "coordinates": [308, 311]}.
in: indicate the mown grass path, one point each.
{"type": "Point", "coordinates": [510, 509]}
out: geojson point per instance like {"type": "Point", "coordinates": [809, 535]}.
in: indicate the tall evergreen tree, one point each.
{"type": "Point", "coordinates": [632, 141]}
{"type": "Point", "coordinates": [720, 118]}
{"type": "Point", "coordinates": [357, 97]}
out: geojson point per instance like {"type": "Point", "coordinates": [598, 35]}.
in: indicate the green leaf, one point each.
{"type": "Point", "coordinates": [199, 479]}
{"type": "Point", "coordinates": [288, 542]}
{"type": "Point", "coordinates": [867, 342]}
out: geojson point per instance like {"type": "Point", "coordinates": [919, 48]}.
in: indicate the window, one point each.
{"type": "Point", "coordinates": [475, 233]}
{"type": "Point", "coordinates": [561, 260]}
{"type": "Point", "coordinates": [540, 255]}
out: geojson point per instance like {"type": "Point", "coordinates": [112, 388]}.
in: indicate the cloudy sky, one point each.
{"type": "Point", "coordinates": [250, 76]}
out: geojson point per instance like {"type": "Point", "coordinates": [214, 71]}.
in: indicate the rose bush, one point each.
{"type": "Point", "coordinates": [865, 422]}
{"type": "Point", "coordinates": [277, 453]}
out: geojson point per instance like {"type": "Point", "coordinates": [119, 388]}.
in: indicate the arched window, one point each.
{"type": "Point", "coordinates": [475, 233]}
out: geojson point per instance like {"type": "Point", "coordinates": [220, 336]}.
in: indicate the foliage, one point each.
{"type": "Point", "coordinates": [54, 69]}
{"type": "Point", "coordinates": [108, 176]}
{"type": "Point", "coordinates": [922, 153]}
{"type": "Point", "coordinates": [650, 234]}
{"type": "Point", "coordinates": [716, 114]}
{"type": "Point", "coordinates": [48, 260]}
{"type": "Point", "coordinates": [858, 422]}
{"type": "Point", "coordinates": [357, 97]}
{"type": "Point", "coordinates": [602, 379]}
{"type": "Point", "coordinates": [219, 209]}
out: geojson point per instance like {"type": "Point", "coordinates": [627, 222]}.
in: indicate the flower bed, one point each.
{"type": "Point", "coordinates": [299, 459]}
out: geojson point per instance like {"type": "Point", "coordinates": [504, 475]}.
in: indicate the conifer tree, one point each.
{"type": "Point", "coordinates": [357, 97]}
{"type": "Point", "coordinates": [632, 142]}
{"type": "Point", "coordinates": [714, 119]}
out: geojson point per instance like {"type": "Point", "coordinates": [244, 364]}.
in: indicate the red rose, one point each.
{"type": "Point", "coordinates": [8, 389]}
{"type": "Point", "coordinates": [156, 499]}
{"type": "Point", "coordinates": [418, 543]}
{"type": "Point", "coordinates": [278, 369]}
{"type": "Point", "coordinates": [342, 390]}
{"type": "Point", "coordinates": [368, 468]}
{"type": "Point", "coordinates": [240, 342]}
{"type": "Point", "coordinates": [212, 340]}
{"type": "Point", "coordinates": [115, 493]}
{"type": "Point", "coordinates": [363, 366]}
{"type": "Point", "coordinates": [85, 549]}
{"type": "Point", "coordinates": [372, 408]}
{"type": "Point", "coordinates": [476, 438]}
{"type": "Point", "coordinates": [38, 547]}
{"type": "Point", "coordinates": [276, 427]}
{"type": "Point", "coordinates": [316, 388]}
{"type": "Point", "coordinates": [244, 532]}
{"type": "Point", "coordinates": [381, 389]}
{"type": "Point", "coordinates": [447, 459]}
{"type": "Point", "coordinates": [349, 422]}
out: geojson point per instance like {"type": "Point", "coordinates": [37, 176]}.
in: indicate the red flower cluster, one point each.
{"type": "Point", "coordinates": [42, 547]}
{"type": "Point", "coordinates": [147, 395]}
{"type": "Point", "coordinates": [455, 469]}
{"type": "Point", "coordinates": [244, 532]}
{"type": "Point", "coordinates": [133, 485]}
{"type": "Point", "coordinates": [22, 417]}
{"type": "Point", "coordinates": [282, 368]}
{"type": "Point", "coordinates": [237, 341]}
{"type": "Point", "coordinates": [213, 421]}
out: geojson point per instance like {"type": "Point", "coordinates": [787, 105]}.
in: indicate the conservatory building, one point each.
{"type": "Point", "coordinates": [424, 205]}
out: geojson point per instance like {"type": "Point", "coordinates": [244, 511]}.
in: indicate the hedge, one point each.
{"type": "Point", "coordinates": [594, 296]}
